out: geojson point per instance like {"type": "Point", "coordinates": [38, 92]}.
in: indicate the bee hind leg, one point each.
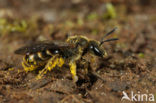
{"type": "Point", "coordinates": [52, 63]}
{"type": "Point", "coordinates": [28, 67]}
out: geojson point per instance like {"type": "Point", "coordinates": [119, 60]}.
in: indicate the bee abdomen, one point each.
{"type": "Point", "coordinates": [37, 57]}
{"type": "Point", "coordinates": [40, 56]}
{"type": "Point", "coordinates": [43, 55]}
{"type": "Point", "coordinates": [52, 52]}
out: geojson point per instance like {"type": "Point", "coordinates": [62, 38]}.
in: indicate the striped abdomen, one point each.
{"type": "Point", "coordinates": [40, 56]}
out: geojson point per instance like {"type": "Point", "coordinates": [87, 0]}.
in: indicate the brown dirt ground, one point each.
{"type": "Point", "coordinates": [130, 65]}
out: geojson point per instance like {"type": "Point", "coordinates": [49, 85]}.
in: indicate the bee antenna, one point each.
{"type": "Point", "coordinates": [112, 39]}
{"type": "Point", "coordinates": [102, 40]}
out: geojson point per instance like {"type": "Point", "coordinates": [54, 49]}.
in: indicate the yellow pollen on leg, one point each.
{"type": "Point", "coordinates": [73, 71]}
{"type": "Point", "coordinates": [60, 62]}
{"type": "Point", "coordinates": [29, 67]}
{"type": "Point", "coordinates": [41, 73]}
{"type": "Point", "coordinates": [52, 65]}
{"type": "Point", "coordinates": [49, 66]}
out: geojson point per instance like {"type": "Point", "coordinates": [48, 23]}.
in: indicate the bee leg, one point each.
{"type": "Point", "coordinates": [73, 71]}
{"type": "Point", "coordinates": [52, 63]}
{"type": "Point", "coordinates": [85, 65]}
{"type": "Point", "coordinates": [28, 67]}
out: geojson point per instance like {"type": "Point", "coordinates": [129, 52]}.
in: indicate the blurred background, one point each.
{"type": "Point", "coordinates": [31, 20]}
{"type": "Point", "coordinates": [27, 21]}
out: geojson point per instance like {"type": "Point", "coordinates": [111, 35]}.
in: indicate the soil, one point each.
{"type": "Point", "coordinates": [129, 66]}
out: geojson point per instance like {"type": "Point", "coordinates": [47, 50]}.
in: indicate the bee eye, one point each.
{"type": "Point", "coordinates": [97, 51]}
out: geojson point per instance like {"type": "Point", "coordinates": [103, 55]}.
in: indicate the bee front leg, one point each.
{"type": "Point", "coordinates": [85, 64]}
{"type": "Point", "coordinates": [73, 71]}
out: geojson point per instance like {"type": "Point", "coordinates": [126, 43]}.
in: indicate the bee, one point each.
{"type": "Point", "coordinates": [52, 54]}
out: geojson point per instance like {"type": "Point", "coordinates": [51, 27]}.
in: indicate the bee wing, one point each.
{"type": "Point", "coordinates": [41, 46]}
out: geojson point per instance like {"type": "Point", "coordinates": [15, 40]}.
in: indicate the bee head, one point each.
{"type": "Point", "coordinates": [95, 47]}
